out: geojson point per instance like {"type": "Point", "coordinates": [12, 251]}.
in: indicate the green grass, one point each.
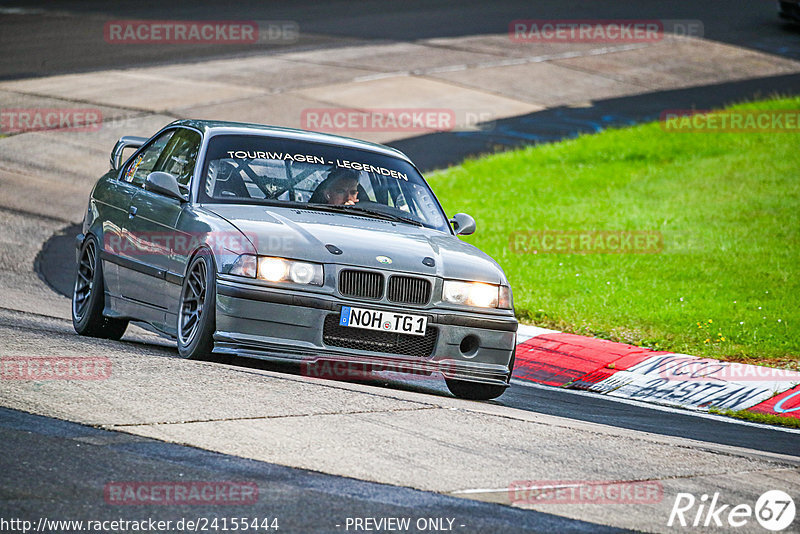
{"type": "Point", "coordinates": [727, 205]}
{"type": "Point", "coordinates": [756, 417]}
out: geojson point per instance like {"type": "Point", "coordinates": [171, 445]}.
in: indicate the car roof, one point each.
{"type": "Point", "coordinates": [213, 127]}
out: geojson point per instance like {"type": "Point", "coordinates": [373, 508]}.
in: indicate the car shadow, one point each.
{"type": "Point", "coordinates": [434, 385]}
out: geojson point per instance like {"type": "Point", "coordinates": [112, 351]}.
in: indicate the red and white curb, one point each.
{"type": "Point", "coordinates": [624, 371]}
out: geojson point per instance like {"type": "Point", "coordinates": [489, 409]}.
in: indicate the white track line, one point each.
{"type": "Point", "coordinates": [658, 407]}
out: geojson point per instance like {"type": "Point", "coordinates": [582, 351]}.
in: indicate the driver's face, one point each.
{"type": "Point", "coordinates": [343, 192]}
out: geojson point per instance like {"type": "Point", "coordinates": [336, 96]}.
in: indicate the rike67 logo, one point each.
{"type": "Point", "coordinates": [774, 510]}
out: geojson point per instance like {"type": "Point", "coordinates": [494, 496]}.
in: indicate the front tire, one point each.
{"type": "Point", "coordinates": [197, 309]}
{"type": "Point", "coordinates": [464, 389]}
{"type": "Point", "coordinates": [88, 297]}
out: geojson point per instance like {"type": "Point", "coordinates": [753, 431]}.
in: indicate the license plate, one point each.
{"type": "Point", "coordinates": [402, 323]}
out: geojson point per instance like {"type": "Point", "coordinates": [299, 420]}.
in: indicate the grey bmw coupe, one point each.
{"type": "Point", "coordinates": [290, 245]}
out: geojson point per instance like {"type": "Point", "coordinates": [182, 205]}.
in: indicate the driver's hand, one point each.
{"type": "Point", "coordinates": [350, 203]}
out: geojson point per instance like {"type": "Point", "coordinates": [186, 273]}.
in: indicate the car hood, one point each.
{"type": "Point", "coordinates": [303, 234]}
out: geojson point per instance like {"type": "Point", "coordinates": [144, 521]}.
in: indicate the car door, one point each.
{"type": "Point", "coordinates": [131, 257]}
{"type": "Point", "coordinates": [110, 202]}
{"type": "Point", "coordinates": [156, 222]}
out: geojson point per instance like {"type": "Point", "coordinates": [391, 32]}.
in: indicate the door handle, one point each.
{"type": "Point", "coordinates": [132, 212]}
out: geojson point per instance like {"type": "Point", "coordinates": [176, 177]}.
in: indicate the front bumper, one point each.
{"type": "Point", "coordinates": [286, 325]}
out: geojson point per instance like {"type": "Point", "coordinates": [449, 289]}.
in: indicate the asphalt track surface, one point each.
{"type": "Point", "coordinates": [43, 38]}
{"type": "Point", "coordinates": [312, 501]}
{"type": "Point", "coordinates": [303, 501]}
{"type": "Point", "coordinates": [29, 29]}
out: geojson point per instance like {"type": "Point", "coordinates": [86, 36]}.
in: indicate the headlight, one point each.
{"type": "Point", "coordinates": [272, 269]}
{"type": "Point", "coordinates": [471, 293]}
{"type": "Point", "coordinates": [278, 270]}
{"type": "Point", "coordinates": [245, 265]}
{"type": "Point", "coordinates": [506, 299]}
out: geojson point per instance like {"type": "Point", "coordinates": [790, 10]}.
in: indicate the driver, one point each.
{"type": "Point", "coordinates": [340, 187]}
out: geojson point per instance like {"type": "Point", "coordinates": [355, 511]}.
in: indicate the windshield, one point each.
{"type": "Point", "coordinates": [252, 169]}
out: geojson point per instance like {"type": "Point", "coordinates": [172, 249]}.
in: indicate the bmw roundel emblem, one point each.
{"type": "Point", "coordinates": [384, 259]}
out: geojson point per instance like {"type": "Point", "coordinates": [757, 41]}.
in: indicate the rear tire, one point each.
{"type": "Point", "coordinates": [88, 297]}
{"type": "Point", "coordinates": [197, 309]}
{"type": "Point", "coordinates": [473, 390]}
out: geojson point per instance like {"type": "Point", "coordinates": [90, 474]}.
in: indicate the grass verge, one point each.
{"type": "Point", "coordinates": [726, 283]}
{"type": "Point", "coordinates": [766, 418]}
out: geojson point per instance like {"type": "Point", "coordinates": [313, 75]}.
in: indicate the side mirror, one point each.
{"type": "Point", "coordinates": [463, 224]}
{"type": "Point", "coordinates": [165, 184]}
{"type": "Point", "coordinates": [128, 141]}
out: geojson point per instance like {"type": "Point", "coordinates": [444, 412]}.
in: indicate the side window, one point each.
{"type": "Point", "coordinates": [144, 163]}
{"type": "Point", "coordinates": [180, 155]}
